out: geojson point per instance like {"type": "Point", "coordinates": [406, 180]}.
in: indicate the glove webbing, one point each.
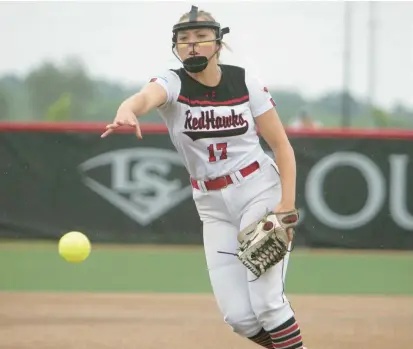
{"type": "Point", "coordinates": [264, 256]}
{"type": "Point", "coordinates": [266, 249]}
{"type": "Point", "coordinates": [271, 245]}
{"type": "Point", "coordinates": [268, 246]}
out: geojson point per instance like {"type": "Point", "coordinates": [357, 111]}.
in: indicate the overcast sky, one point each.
{"type": "Point", "coordinates": [297, 45]}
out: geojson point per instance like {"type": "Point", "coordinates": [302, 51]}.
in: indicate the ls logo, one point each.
{"type": "Point", "coordinates": [140, 181]}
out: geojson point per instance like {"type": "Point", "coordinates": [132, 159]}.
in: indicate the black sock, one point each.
{"type": "Point", "coordinates": [287, 336]}
{"type": "Point", "coordinates": [262, 338]}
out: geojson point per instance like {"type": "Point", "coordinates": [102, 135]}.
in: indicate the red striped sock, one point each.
{"type": "Point", "coordinates": [262, 338]}
{"type": "Point", "coordinates": [287, 336]}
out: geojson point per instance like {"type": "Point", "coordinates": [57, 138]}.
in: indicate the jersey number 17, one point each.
{"type": "Point", "coordinates": [215, 149]}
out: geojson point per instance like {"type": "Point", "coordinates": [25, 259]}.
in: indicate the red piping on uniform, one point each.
{"type": "Point", "coordinates": [228, 102]}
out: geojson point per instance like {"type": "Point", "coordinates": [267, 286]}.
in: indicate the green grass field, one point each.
{"type": "Point", "coordinates": [38, 267]}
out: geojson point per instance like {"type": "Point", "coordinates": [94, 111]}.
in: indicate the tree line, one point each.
{"type": "Point", "coordinates": [52, 92]}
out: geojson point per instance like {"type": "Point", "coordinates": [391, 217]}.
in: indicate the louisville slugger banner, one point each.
{"type": "Point", "coordinates": [355, 190]}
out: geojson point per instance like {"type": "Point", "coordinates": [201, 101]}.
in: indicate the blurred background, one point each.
{"type": "Point", "coordinates": [64, 69]}
{"type": "Point", "coordinates": [331, 63]}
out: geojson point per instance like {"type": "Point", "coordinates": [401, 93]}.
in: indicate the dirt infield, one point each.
{"type": "Point", "coordinates": [153, 321]}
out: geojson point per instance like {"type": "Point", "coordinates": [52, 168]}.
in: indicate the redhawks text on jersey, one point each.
{"type": "Point", "coordinates": [213, 128]}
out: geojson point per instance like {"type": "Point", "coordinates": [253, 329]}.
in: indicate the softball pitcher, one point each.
{"type": "Point", "coordinates": [212, 112]}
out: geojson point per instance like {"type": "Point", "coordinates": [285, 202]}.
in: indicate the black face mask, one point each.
{"type": "Point", "coordinates": [196, 64]}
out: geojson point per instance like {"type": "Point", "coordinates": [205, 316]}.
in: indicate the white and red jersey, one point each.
{"type": "Point", "coordinates": [213, 128]}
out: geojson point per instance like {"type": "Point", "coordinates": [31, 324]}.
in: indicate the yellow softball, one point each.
{"type": "Point", "coordinates": [74, 247]}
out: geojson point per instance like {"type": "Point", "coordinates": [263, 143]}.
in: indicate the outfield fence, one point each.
{"type": "Point", "coordinates": [355, 187]}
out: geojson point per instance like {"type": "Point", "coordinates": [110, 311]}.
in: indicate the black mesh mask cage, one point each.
{"type": "Point", "coordinates": [197, 64]}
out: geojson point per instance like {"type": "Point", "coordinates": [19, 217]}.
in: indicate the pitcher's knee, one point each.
{"type": "Point", "coordinates": [245, 325]}
{"type": "Point", "coordinates": [273, 315]}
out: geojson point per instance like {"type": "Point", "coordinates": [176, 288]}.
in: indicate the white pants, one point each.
{"type": "Point", "coordinates": [246, 306]}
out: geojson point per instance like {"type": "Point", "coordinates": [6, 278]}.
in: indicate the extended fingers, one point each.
{"type": "Point", "coordinates": [110, 128]}
{"type": "Point", "coordinates": [138, 131]}
{"type": "Point", "coordinates": [106, 133]}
